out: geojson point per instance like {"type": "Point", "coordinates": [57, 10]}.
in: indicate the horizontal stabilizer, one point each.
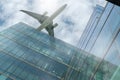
{"type": "Point", "coordinates": [48, 21]}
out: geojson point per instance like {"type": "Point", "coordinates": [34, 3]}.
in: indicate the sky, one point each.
{"type": "Point", "coordinates": [71, 22]}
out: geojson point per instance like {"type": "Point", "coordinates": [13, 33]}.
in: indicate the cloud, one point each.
{"type": "Point", "coordinates": [72, 20]}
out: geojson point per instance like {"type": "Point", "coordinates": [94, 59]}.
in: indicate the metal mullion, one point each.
{"type": "Point", "coordinates": [40, 40]}
{"type": "Point", "coordinates": [96, 38]}
{"type": "Point", "coordinates": [37, 39]}
{"type": "Point", "coordinates": [114, 36]}
{"type": "Point", "coordinates": [101, 29]}
{"type": "Point", "coordinates": [92, 33]}
{"type": "Point", "coordinates": [38, 52]}
{"type": "Point", "coordinates": [26, 46]}
{"type": "Point", "coordinates": [7, 76]}
{"type": "Point", "coordinates": [89, 33]}
{"type": "Point", "coordinates": [31, 65]}
{"type": "Point", "coordinates": [83, 34]}
{"type": "Point", "coordinates": [7, 69]}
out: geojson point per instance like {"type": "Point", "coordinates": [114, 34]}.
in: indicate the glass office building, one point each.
{"type": "Point", "coordinates": [104, 41]}
{"type": "Point", "coordinates": [27, 54]}
{"type": "Point", "coordinates": [91, 26]}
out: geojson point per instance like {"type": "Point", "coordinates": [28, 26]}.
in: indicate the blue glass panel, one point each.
{"type": "Point", "coordinates": [3, 77]}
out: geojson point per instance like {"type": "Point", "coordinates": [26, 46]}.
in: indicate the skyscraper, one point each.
{"type": "Point", "coordinates": [104, 41]}
{"type": "Point", "coordinates": [27, 54]}
{"type": "Point", "coordinates": [89, 30]}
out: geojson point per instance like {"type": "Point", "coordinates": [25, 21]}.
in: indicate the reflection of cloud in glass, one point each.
{"type": "Point", "coordinates": [78, 12]}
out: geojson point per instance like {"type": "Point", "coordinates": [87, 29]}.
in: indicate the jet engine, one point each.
{"type": "Point", "coordinates": [55, 25]}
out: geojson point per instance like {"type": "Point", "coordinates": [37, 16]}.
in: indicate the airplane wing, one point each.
{"type": "Point", "coordinates": [45, 24]}
{"type": "Point", "coordinates": [50, 19]}
{"type": "Point", "coordinates": [39, 17]}
{"type": "Point", "coordinates": [58, 12]}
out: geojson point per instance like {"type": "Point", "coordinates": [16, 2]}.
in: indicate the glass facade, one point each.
{"type": "Point", "coordinates": [27, 54]}
{"type": "Point", "coordinates": [87, 35]}
{"type": "Point", "coordinates": [104, 41]}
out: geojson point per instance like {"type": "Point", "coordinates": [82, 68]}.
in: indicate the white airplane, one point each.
{"type": "Point", "coordinates": [46, 22]}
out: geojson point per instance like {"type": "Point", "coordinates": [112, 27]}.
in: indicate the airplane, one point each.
{"type": "Point", "coordinates": [45, 21]}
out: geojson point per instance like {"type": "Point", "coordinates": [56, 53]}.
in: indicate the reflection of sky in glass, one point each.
{"type": "Point", "coordinates": [35, 55]}
{"type": "Point", "coordinates": [85, 37]}
{"type": "Point", "coordinates": [75, 15]}
{"type": "Point", "coordinates": [113, 55]}
{"type": "Point", "coordinates": [3, 77]}
{"type": "Point", "coordinates": [118, 42]}
{"type": "Point", "coordinates": [110, 26]}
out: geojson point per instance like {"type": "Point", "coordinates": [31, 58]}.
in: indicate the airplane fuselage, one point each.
{"type": "Point", "coordinates": [45, 21]}
{"type": "Point", "coordinates": [50, 27]}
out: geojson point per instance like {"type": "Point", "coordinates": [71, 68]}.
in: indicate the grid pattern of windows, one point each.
{"type": "Point", "coordinates": [104, 41]}
{"type": "Point", "coordinates": [27, 54]}
{"type": "Point", "coordinates": [90, 28]}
